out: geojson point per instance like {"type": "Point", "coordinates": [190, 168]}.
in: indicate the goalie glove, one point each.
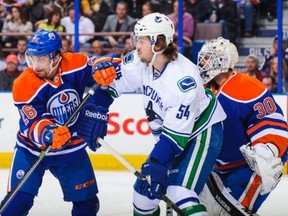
{"type": "Point", "coordinates": [264, 160]}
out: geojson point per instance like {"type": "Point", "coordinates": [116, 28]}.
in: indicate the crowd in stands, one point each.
{"type": "Point", "coordinates": [238, 18]}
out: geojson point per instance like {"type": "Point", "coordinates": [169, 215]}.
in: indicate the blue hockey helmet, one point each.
{"type": "Point", "coordinates": [44, 42]}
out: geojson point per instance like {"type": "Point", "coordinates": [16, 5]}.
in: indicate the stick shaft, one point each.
{"type": "Point", "coordinates": [123, 161]}
{"type": "Point", "coordinates": [11, 195]}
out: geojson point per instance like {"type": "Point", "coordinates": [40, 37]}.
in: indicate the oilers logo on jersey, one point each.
{"type": "Point", "coordinates": [63, 104]}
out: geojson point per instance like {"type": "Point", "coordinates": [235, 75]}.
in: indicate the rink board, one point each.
{"type": "Point", "coordinates": [128, 132]}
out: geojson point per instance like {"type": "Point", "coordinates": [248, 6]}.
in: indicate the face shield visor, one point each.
{"type": "Point", "coordinates": [42, 62]}
{"type": "Point", "coordinates": [141, 40]}
{"type": "Point", "coordinates": [34, 61]}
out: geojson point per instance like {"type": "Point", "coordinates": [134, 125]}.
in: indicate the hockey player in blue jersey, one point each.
{"type": "Point", "coordinates": [46, 94]}
{"type": "Point", "coordinates": [255, 136]}
{"type": "Point", "coordinates": [185, 120]}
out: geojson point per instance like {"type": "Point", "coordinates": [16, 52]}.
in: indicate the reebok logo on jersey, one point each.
{"type": "Point", "coordinates": [187, 83]}
{"type": "Point", "coordinates": [96, 115]}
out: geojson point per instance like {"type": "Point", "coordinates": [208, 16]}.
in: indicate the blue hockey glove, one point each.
{"type": "Point", "coordinates": [157, 174]}
{"type": "Point", "coordinates": [93, 124]}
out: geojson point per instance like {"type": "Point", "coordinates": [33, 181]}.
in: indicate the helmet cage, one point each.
{"type": "Point", "coordinates": [215, 57]}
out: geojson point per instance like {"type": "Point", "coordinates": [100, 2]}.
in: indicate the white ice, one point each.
{"type": "Point", "coordinates": [116, 196]}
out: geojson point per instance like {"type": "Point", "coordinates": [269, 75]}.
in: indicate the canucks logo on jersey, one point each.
{"type": "Point", "coordinates": [187, 83]}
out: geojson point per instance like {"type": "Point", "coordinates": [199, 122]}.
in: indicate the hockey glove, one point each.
{"type": "Point", "coordinates": [57, 137]}
{"type": "Point", "coordinates": [103, 70]}
{"type": "Point", "coordinates": [93, 124]}
{"type": "Point", "coordinates": [157, 179]}
{"type": "Point", "coordinates": [264, 160]}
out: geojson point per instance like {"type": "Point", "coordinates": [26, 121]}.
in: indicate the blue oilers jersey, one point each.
{"type": "Point", "coordinates": [43, 102]}
{"type": "Point", "coordinates": [252, 116]}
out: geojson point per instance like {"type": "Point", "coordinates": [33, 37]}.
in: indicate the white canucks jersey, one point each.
{"type": "Point", "coordinates": [173, 99]}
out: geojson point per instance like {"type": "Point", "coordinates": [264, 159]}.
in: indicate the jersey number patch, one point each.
{"type": "Point", "coordinates": [267, 107]}
{"type": "Point", "coordinates": [183, 112]}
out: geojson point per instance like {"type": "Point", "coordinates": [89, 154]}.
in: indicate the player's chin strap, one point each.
{"type": "Point", "coordinates": [51, 65]}
{"type": "Point", "coordinates": [218, 201]}
{"type": "Point", "coordinates": [154, 55]}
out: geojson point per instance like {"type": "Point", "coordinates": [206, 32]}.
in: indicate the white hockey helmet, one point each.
{"type": "Point", "coordinates": [215, 57]}
{"type": "Point", "coordinates": [155, 24]}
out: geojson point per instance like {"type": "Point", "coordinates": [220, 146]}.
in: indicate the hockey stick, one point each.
{"type": "Point", "coordinates": [10, 195]}
{"type": "Point", "coordinates": [169, 210]}
{"type": "Point", "coordinates": [137, 174]}
{"type": "Point", "coordinates": [224, 199]}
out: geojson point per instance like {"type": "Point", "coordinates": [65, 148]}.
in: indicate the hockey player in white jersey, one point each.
{"type": "Point", "coordinates": [185, 119]}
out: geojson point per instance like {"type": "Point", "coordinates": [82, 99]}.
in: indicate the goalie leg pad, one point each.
{"type": "Point", "coordinates": [20, 205]}
{"type": "Point", "coordinates": [218, 200]}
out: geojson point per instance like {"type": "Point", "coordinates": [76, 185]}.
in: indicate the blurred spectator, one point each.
{"type": "Point", "coordinates": [97, 48]}
{"type": "Point", "coordinates": [63, 6]}
{"type": "Point", "coordinates": [274, 52]}
{"type": "Point", "coordinates": [66, 45]}
{"type": "Point", "coordinates": [16, 22]}
{"type": "Point", "coordinates": [270, 83]}
{"type": "Point", "coordinates": [252, 67]}
{"type": "Point", "coordinates": [8, 75]}
{"type": "Point", "coordinates": [3, 64]}
{"type": "Point", "coordinates": [3, 14]}
{"type": "Point", "coordinates": [147, 8]}
{"type": "Point", "coordinates": [35, 10]}
{"type": "Point", "coordinates": [247, 11]}
{"type": "Point", "coordinates": [134, 8]}
{"type": "Point", "coordinates": [85, 26]}
{"type": "Point", "coordinates": [53, 22]}
{"type": "Point", "coordinates": [199, 9]}
{"type": "Point", "coordinates": [97, 11]}
{"type": "Point", "coordinates": [188, 28]}
{"type": "Point", "coordinates": [226, 13]}
{"type": "Point", "coordinates": [268, 9]}
{"type": "Point", "coordinates": [127, 47]}
{"type": "Point", "coordinates": [163, 6]}
{"type": "Point", "coordinates": [21, 49]}
{"type": "Point", "coordinates": [274, 72]}
{"type": "Point", "coordinates": [119, 22]}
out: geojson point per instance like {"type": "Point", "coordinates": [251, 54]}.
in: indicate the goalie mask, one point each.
{"type": "Point", "coordinates": [42, 48]}
{"type": "Point", "coordinates": [153, 25]}
{"type": "Point", "coordinates": [215, 57]}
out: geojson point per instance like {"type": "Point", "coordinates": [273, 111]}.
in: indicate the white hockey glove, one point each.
{"type": "Point", "coordinates": [264, 160]}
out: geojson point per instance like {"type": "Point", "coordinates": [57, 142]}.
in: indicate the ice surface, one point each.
{"type": "Point", "coordinates": [116, 196]}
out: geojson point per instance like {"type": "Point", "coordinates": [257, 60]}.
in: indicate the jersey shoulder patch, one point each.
{"type": "Point", "coordinates": [72, 61]}
{"type": "Point", "coordinates": [243, 87]}
{"type": "Point", "coordinates": [26, 85]}
{"type": "Point", "coordinates": [186, 83]}
{"type": "Point", "coordinates": [129, 57]}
